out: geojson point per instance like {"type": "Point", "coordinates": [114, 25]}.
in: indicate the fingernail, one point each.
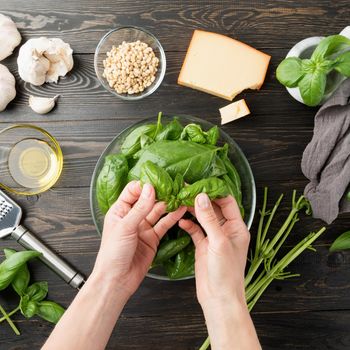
{"type": "Point", "coordinates": [146, 190]}
{"type": "Point", "coordinates": [203, 201]}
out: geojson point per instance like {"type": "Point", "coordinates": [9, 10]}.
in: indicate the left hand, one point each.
{"type": "Point", "coordinates": [132, 230]}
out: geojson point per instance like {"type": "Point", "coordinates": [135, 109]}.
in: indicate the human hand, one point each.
{"type": "Point", "coordinates": [132, 230]}
{"type": "Point", "coordinates": [221, 255]}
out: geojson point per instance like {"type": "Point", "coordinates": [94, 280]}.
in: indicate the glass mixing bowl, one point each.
{"type": "Point", "coordinates": [129, 34]}
{"type": "Point", "coordinates": [236, 156]}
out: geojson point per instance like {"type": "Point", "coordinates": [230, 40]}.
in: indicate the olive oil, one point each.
{"type": "Point", "coordinates": [33, 163]}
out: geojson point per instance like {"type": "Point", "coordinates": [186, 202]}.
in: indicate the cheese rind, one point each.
{"type": "Point", "coordinates": [222, 66]}
{"type": "Point", "coordinates": [234, 111]}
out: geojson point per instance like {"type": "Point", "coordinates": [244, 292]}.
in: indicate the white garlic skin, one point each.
{"type": "Point", "coordinates": [43, 60]}
{"type": "Point", "coordinates": [42, 105]}
{"type": "Point", "coordinates": [10, 36]}
{"type": "Point", "coordinates": [7, 87]}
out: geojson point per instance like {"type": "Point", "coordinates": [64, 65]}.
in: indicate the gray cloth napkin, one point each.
{"type": "Point", "coordinates": [326, 159]}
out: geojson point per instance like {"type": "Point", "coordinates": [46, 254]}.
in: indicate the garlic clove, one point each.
{"type": "Point", "coordinates": [7, 87]}
{"type": "Point", "coordinates": [42, 105]}
{"type": "Point", "coordinates": [10, 36]}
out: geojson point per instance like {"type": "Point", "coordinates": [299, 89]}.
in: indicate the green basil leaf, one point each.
{"type": "Point", "coordinates": [132, 142]}
{"type": "Point", "coordinates": [212, 186]}
{"type": "Point", "coordinates": [312, 87]}
{"type": "Point", "coordinates": [158, 178]}
{"type": "Point", "coordinates": [170, 248]}
{"type": "Point", "coordinates": [171, 131]}
{"type": "Point", "coordinates": [37, 291]}
{"type": "Point", "coordinates": [329, 46]}
{"type": "Point", "coordinates": [178, 183]}
{"type": "Point", "coordinates": [145, 140]}
{"type": "Point", "coordinates": [342, 64]}
{"type": "Point", "coordinates": [27, 306]}
{"type": "Point", "coordinates": [49, 311]}
{"type": "Point", "coordinates": [290, 71]}
{"type": "Point", "coordinates": [21, 280]}
{"type": "Point", "coordinates": [194, 133]}
{"type": "Point", "coordinates": [193, 160]}
{"type": "Point", "coordinates": [10, 266]}
{"type": "Point", "coordinates": [111, 180]}
{"type": "Point", "coordinates": [213, 135]}
{"type": "Point", "coordinates": [341, 243]}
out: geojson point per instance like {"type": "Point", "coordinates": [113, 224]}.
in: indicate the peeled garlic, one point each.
{"type": "Point", "coordinates": [42, 105]}
{"type": "Point", "coordinates": [10, 37]}
{"type": "Point", "coordinates": [7, 87]}
{"type": "Point", "coordinates": [44, 60]}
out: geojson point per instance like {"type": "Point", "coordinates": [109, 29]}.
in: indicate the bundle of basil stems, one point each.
{"type": "Point", "coordinates": [265, 266]}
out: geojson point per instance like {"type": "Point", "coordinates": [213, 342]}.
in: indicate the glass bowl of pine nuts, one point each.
{"type": "Point", "coordinates": [130, 63]}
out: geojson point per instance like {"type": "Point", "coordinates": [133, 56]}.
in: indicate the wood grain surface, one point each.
{"type": "Point", "coordinates": [311, 312]}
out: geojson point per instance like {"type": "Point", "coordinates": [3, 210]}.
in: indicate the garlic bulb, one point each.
{"type": "Point", "coordinates": [42, 105]}
{"type": "Point", "coordinates": [44, 60]}
{"type": "Point", "coordinates": [7, 87]}
{"type": "Point", "coordinates": [10, 37]}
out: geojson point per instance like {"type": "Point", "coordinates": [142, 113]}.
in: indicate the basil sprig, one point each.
{"type": "Point", "coordinates": [14, 271]}
{"type": "Point", "coordinates": [310, 75]}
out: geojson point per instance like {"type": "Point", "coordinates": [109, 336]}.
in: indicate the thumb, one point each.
{"type": "Point", "coordinates": [206, 216]}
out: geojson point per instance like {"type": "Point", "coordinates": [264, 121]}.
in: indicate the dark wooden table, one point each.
{"type": "Point", "coordinates": [311, 312]}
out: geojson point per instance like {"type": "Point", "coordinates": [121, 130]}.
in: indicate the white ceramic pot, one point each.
{"type": "Point", "coordinates": [304, 49]}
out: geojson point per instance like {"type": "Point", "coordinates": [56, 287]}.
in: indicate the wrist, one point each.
{"type": "Point", "coordinates": [108, 284]}
{"type": "Point", "coordinates": [218, 307]}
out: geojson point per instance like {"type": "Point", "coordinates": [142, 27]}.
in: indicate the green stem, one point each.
{"type": "Point", "coordinates": [205, 345]}
{"type": "Point", "coordinates": [285, 261]}
{"type": "Point", "coordinates": [261, 223]}
{"type": "Point", "coordinates": [272, 214]}
{"type": "Point", "coordinates": [2, 319]}
{"type": "Point", "coordinates": [282, 240]}
{"type": "Point", "coordinates": [12, 325]}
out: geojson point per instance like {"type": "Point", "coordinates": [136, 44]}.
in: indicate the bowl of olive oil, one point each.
{"type": "Point", "coordinates": [31, 159]}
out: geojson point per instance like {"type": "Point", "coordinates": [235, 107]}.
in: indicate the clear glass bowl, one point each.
{"type": "Point", "coordinates": [10, 138]}
{"type": "Point", "coordinates": [129, 34]}
{"type": "Point", "coordinates": [236, 156]}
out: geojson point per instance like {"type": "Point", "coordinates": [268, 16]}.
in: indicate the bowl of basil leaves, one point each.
{"type": "Point", "coordinates": [181, 156]}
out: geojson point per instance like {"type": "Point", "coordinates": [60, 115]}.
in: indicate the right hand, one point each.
{"type": "Point", "coordinates": [221, 254]}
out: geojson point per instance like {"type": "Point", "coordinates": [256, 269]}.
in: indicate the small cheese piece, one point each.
{"type": "Point", "coordinates": [222, 66]}
{"type": "Point", "coordinates": [234, 111]}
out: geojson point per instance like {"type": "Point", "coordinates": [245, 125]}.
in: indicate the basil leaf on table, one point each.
{"type": "Point", "coordinates": [312, 87]}
{"type": "Point", "coordinates": [22, 277]}
{"type": "Point", "coordinates": [158, 178]}
{"type": "Point", "coordinates": [341, 243]}
{"type": "Point", "coordinates": [49, 311]}
{"type": "Point", "coordinates": [37, 291]}
{"type": "Point", "coordinates": [28, 307]}
{"type": "Point", "coordinates": [290, 71]}
{"type": "Point", "coordinates": [194, 161]}
{"type": "Point", "coordinates": [11, 265]}
{"type": "Point", "coordinates": [111, 180]}
{"type": "Point", "coordinates": [342, 64]}
{"type": "Point", "coordinates": [212, 186]}
{"type": "Point", "coordinates": [329, 46]}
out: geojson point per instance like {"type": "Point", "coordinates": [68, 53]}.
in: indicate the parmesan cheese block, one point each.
{"type": "Point", "coordinates": [234, 111]}
{"type": "Point", "coordinates": [222, 66]}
